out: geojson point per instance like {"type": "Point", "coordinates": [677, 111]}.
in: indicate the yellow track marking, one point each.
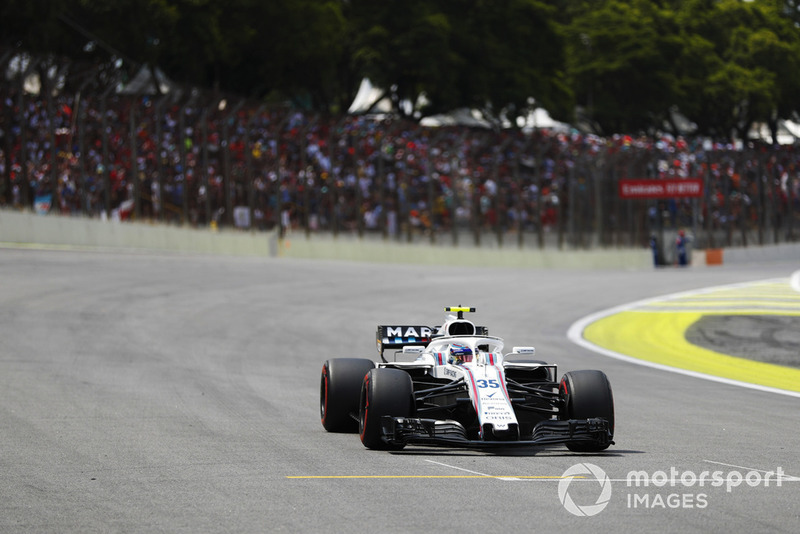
{"type": "Point", "coordinates": [537, 477]}
{"type": "Point", "coordinates": [655, 331]}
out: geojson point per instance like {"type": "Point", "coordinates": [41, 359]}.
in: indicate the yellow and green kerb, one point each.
{"type": "Point", "coordinates": [657, 331]}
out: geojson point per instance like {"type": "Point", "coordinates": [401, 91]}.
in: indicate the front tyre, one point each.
{"type": "Point", "coordinates": [586, 395]}
{"type": "Point", "coordinates": [384, 392]}
{"type": "Point", "coordinates": [339, 388]}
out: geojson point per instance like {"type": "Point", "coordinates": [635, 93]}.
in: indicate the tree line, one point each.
{"type": "Point", "coordinates": [609, 66]}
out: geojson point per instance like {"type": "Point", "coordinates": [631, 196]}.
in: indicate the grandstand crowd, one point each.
{"type": "Point", "coordinates": [204, 160]}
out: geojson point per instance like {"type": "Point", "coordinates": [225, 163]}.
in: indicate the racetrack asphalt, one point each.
{"type": "Point", "coordinates": [175, 393]}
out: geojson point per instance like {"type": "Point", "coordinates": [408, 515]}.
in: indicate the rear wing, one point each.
{"type": "Point", "coordinates": [397, 337]}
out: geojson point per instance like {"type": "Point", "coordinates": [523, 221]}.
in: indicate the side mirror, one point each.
{"type": "Point", "coordinates": [412, 349]}
{"type": "Point", "coordinates": [523, 350]}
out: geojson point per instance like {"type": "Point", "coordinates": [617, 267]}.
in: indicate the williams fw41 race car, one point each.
{"type": "Point", "coordinates": [453, 386]}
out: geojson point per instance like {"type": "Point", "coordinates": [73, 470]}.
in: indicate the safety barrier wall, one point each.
{"type": "Point", "coordinates": [789, 252]}
{"type": "Point", "coordinates": [376, 250]}
{"type": "Point", "coordinates": [25, 228]}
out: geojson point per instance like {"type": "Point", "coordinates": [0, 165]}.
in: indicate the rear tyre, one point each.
{"type": "Point", "coordinates": [339, 389]}
{"type": "Point", "coordinates": [384, 392]}
{"type": "Point", "coordinates": [585, 395]}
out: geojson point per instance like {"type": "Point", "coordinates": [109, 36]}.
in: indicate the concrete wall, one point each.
{"type": "Point", "coordinates": [738, 255]}
{"type": "Point", "coordinates": [26, 229]}
{"type": "Point", "coordinates": [23, 228]}
{"type": "Point", "coordinates": [377, 250]}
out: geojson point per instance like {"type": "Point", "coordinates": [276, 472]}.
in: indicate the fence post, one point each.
{"type": "Point", "coordinates": [106, 162]}
{"type": "Point", "coordinates": [599, 214]}
{"type": "Point", "coordinates": [537, 169]}
{"type": "Point", "coordinates": [83, 194]}
{"type": "Point", "coordinates": [190, 102]}
{"type": "Point", "coordinates": [744, 176]}
{"type": "Point", "coordinates": [774, 204]}
{"type": "Point", "coordinates": [726, 200]}
{"type": "Point", "coordinates": [629, 208]}
{"type": "Point", "coordinates": [303, 178]}
{"type": "Point", "coordinates": [495, 200]}
{"type": "Point", "coordinates": [5, 125]}
{"type": "Point", "coordinates": [381, 179]}
{"type": "Point", "coordinates": [429, 181]}
{"type": "Point", "coordinates": [585, 182]}
{"type": "Point", "coordinates": [695, 202]}
{"type": "Point", "coordinates": [248, 166]}
{"type": "Point", "coordinates": [79, 118]}
{"type": "Point", "coordinates": [158, 119]}
{"type": "Point", "coordinates": [204, 163]}
{"type": "Point", "coordinates": [134, 177]}
{"type": "Point", "coordinates": [51, 133]}
{"type": "Point", "coordinates": [707, 229]}
{"type": "Point", "coordinates": [7, 188]}
{"type": "Point", "coordinates": [760, 209]}
{"type": "Point", "coordinates": [455, 184]}
{"type": "Point", "coordinates": [620, 204]}
{"type": "Point", "coordinates": [357, 169]}
{"type": "Point", "coordinates": [476, 210]}
{"type": "Point", "coordinates": [182, 151]}
{"type": "Point", "coordinates": [406, 185]}
{"type": "Point", "coordinates": [518, 196]}
{"type": "Point", "coordinates": [25, 192]}
{"type": "Point", "coordinates": [333, 189]}
{"type": "Point", "coordinates": [790, 196]}
{"type": "Point", "coordinates": [571, 237]}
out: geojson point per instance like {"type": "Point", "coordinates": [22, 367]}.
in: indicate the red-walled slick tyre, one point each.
{"type": "Point", "coordinates": [384, 392]}
{"type": "Point", "coordinates": [585, 395]}
{"type": "Point", "coordinates": [339, 390]}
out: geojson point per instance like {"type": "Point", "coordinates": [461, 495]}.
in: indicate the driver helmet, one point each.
{"type": "Point", "coordinates": [460, 353]}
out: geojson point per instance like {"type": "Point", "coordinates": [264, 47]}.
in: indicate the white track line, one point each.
{"type": "Point", "coordinates": [575, 334]}
{"type": "Point", "coordinates": [503, 478]}
{"type": "Point", "coordinates": [461, 469]}
{"type": "Point", "coordinates": [795, 281]}
{"type": "Point", "coordinates": [784, 477]}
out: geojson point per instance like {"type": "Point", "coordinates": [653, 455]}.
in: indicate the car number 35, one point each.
{"type": "Point", "coordinates": [488, 383]}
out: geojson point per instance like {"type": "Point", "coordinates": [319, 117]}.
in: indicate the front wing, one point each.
{"type": "Point", "coordinates": [410, 430]}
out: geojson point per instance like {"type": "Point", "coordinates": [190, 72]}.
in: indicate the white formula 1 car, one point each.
{"type": "Point", "coordinates": [457, 388]}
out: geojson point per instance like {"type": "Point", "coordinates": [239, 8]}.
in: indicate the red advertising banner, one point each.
{"type": "Point", "coordinates": [671, 188]}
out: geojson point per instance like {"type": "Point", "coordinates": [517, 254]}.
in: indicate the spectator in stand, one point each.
{"type": "Point", "coordinates": [351, 172]}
